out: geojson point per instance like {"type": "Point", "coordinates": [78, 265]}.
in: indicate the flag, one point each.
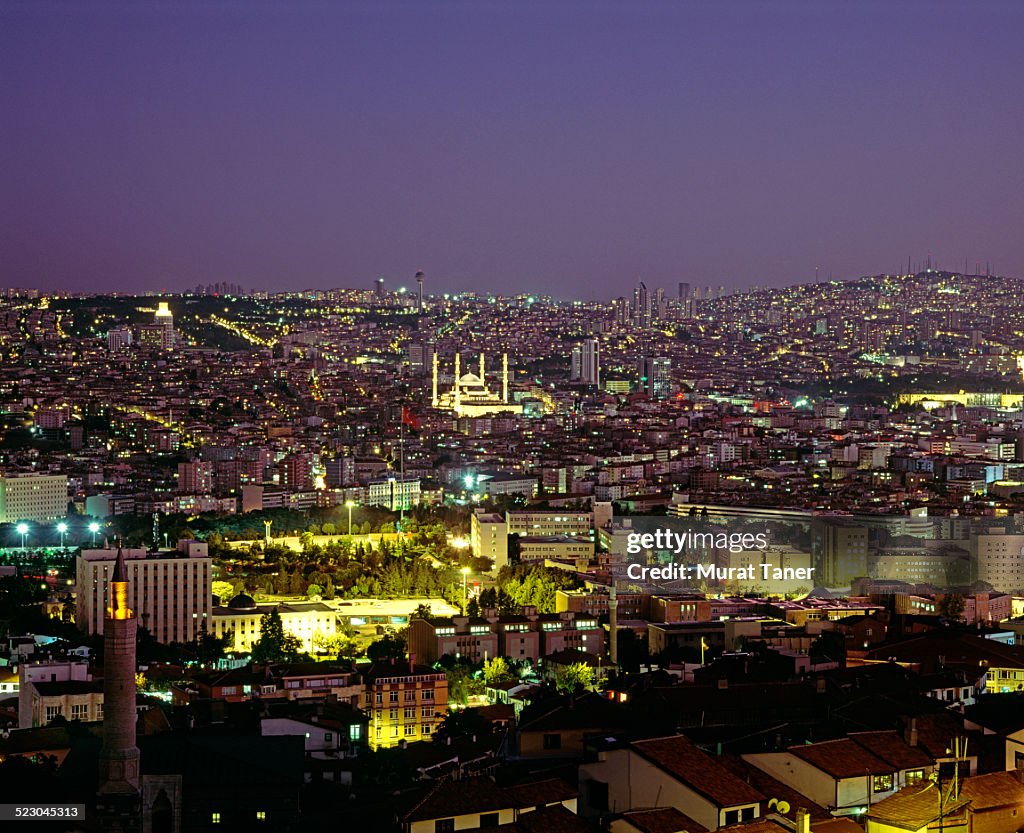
{"type": "Point", "coordinates": [410, 419]}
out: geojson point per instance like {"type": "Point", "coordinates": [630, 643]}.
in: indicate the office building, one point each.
{"type": "Point", "coordinates": [170, 591]}
{"type": "Point", "coordinates": [118, 339]}
{"type": "Point", "coordinates": [488, 537]}
{"type": "Point", "coordinates": [33, 497]}
{"type": "Point", "coordinates": [656, 376]}
{"type": "Point", "coordinates": [164, 321]}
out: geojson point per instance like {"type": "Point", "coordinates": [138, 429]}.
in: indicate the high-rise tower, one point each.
{"type": "Point", "coordinates": [419, 290]}
{"type": "Point", "coordinates": [164, 319]}
{"type": "Point", "coordinates": [119, 756]}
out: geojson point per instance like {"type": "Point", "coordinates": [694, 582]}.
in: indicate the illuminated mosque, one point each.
{"type": "Point", "coordinates": [470, 396]}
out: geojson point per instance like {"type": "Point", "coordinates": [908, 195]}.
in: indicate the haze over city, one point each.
{"type": "Point", "coordinates": [567, 148]}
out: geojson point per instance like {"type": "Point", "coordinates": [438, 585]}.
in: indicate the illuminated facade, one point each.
{"type": "Point", "coordinates": [470, 396]}
{"type": "Point", "coordinates": [33, 497]}
{"type": "Point", "coordinates": [405, 702]}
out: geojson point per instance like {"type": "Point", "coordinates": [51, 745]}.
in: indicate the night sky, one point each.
{"type": "Point", "coordinates": [569, 148]}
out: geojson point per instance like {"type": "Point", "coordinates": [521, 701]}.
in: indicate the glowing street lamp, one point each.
{"type": "Point", "coordinates": [94, 528]}
{"type": "Point", "coordinates": [22, 529]}
{"type": "Point", "coordinates": [349, 504]}
{"type": "Point", "coordinates": [62, 528]}
{"type": "Point", "coordinates": [465, 573]}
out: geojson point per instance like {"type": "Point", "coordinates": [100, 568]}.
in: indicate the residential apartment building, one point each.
{"type": "Point", "coordinates": [405, 702]}
{"type": "Point", "coordinates": [529, 636]}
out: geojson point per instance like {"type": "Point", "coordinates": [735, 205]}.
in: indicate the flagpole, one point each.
{"type": "Point", "coordinates": [401, 458]}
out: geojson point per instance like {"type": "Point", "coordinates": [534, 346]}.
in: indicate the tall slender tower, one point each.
{"type": "Point", "coordinates": [119, 756]}
{"type": "Point", "coordinates": [458, 382]}
{"type": "Point", "coordinates": [504, 377]}
{"type": "Point", "coordinates": [419, 290]}
{"type": "Point", "coordinates": [482, 371]}
{"type": "Point", "coordinates": [164, 319]}
{"type": "Point", "coordinates": [613, 624]}
{"type": "Point", "coordinates": [434, 400]}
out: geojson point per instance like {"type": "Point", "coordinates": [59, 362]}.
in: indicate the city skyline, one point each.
{"type": "Point", "coordinates": [311, 147]}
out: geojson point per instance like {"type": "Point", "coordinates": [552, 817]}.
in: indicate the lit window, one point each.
{"type": "Point", "coordinates": [261, 815]}
{"type": "Point", "coordinates": [215, 818]}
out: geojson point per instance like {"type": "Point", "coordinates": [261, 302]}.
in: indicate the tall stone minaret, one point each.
{"type": "Point", "coordinates": [434, 399]}
{"type": "Point", "coordinates": [457, 390]}
{"type": "Point", "coordinates": [504, 377]}
{"type": "Point", "coordinates": [119, 756]}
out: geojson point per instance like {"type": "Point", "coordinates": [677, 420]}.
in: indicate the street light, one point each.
{"type": "Point", "coordinates": [94, 528]}
{"type": "Point", "coordinates": [350, 504]}
{"type": "Point", "coordinates": [62, 528]}
{"type": "Point", "coordinates": [23, 532]}
{"type": "Point", "coordinates": [465, 573]}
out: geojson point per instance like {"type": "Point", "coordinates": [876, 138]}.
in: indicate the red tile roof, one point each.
{"type": "Point", "coordinates": [682, 760]}
{"type": "Point", "coordinates": [893, 749]}
{"type": "Point", "coordinates": [997, 789]}
{"type": "Point", "coordinates": [842, 758]}
{"type": "Point", "coordinates": [663, 820]}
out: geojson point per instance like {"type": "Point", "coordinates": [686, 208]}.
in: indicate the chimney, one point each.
{"type": "Point", "coordinates": [803, 821]}
{"type": "Point", "coordinates": [910, 734]}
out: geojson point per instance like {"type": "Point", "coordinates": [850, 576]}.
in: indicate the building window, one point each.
{"type": "Point", "coordinates": [552, 741]}
{"type": "Point", "coordinates": [214, 818]}
{"type": "Point", "coordinates": [53, 712]}
{"type": "Point", "coordinates": [915, 776]}
{"type": "Point", "coordinates": [444, 826]}
{"type": "Point", "coordinates": [328, 737]}
{"type": "Point", "coordinates": [355, 731]}
{"type": "Point", "coordinates": [426, 729]}
{"type": "Point", "coordinates": [392, 696]}
{"type": "Point", "coordinates": [881, 783]}
{"type": "Point", "coordinates": [261, 815]}
{"type": "Point", "coordinates": [410, 696]}
{"type": "Point", "coordinates": [427, 694]}
{"type": "Point", "coordinates": [410, 729]}
{"type": "Point", "coordinates": [410, 714]}
{"type": "Point", "coordinates": [489, 819]}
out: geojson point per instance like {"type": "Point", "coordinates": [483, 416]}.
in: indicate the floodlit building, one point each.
{"type": "Point", "coordinates": [470, 395]}
{"type": "Point", "coordinates": [33, 497]}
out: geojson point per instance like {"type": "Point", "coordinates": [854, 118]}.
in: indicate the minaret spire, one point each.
{"type": "Point", "coordinates": [457, 390]}
{"type": "Point", "coordinates": [504, 378]}
{"type": "Point", "coordinates": [435, 379]}
{"type": "Point", "coordinates": [119, 756]}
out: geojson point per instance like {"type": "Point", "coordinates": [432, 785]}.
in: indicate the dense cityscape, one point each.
{"type": "Point", "coordinates": [372, 557]}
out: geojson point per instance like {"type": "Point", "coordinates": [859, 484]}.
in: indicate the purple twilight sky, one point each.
{"type": "Point", "coordinates": [567, 147]}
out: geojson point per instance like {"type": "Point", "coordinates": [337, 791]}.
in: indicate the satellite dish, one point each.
{"type": "Point", "coordinates": [782, 807]}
